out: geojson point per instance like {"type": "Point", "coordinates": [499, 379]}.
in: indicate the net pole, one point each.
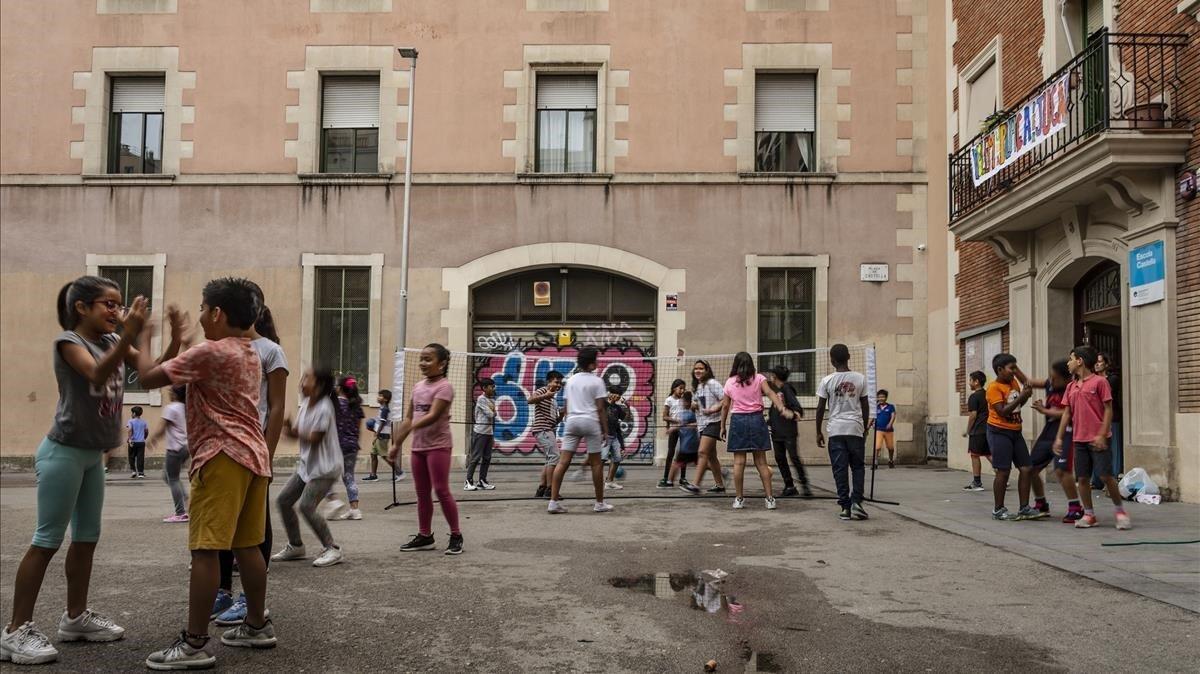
{"type": "Point", "coordinates": [872, 386]}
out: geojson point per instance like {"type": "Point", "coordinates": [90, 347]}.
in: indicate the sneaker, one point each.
{"type": "Point", "coordinates": [541, 491]}
{"type": "Point", "coordinates": [1004, 514]}
{"type": "Point", "coordinates": [789, 491]}
{"type": "Point", "coordinates": [665, 484]}
{"type": "Point", "coordinates": [1043, 506]}
{"type": "Point", "coordinates": [806, 492]}
{"type": "Point", "coordinates": [689, 487]}
{"type": "Point", "coordinates": [857, 512]}
{"type": "Point", "coordinates": [973, 486]}
{"type": "Point", "coordinates": [181, 655]}
{"type": "Point", "coordinates": [485, 485]}
{"type": "Point", "coordinates": [844, 514]}
{"type": "Point", "coordinates": [1028, 513]}
{"type": "Point", "coordinates": [133, 476]}
{"type": "Point", "coordinates": [26, 646]}
{"type": "Point", "coordinates": [738, 503]}
{"type": "Point", "coordinates": [1072, 516]}
{"type": "Point", "coordinates": [555, 508]}
{"type": "Point", "coordinates": [141, 476]}
{"type": "Point", "coordinates": [245, 636]}
{"type": "Point", "coordinates": [235, 614]}
{"type": "Point", "coordinates": [717, 489]}
{"type": "Point", "coordinates": [371, 478]}
{"type": "Point", "coordinates": [88, 626]}
{"type": "Point", "coordinates": [469, 486]}
{"type": "Point", "coordinates": [329, 556]}
{"type": "Point", "coordinates": [223, 601]}
{"type": "Point", "coordinates": [1123, 521]}
{"type": "Point", "coordinates": [891, 464]}
{"type": "Point", "coordinates": [600, 507]}
{"type": "Point", "coordinates": [177, 518]}
{"type": "Point", "coordinates": [335, 508]}
{"type": "Point", "coordinates": [398, 476]}
{"type": "Point", "coordinates": [612, 485]}
{"type": "Point", "coordinates": [771, 504]}
{"type": "Point", "coordinates": [289, 552]}
{"type": "Point", "coordinates": [106, 470]}
{"type": "Point", "coordinates": [1086, 521]}
{"type": "Point", "coordinates": [418, 542]}
{"type": "Point", "coordinates": [353, 514]}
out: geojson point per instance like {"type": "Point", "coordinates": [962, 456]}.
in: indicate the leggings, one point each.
{"type": "Point", "coordinates": [172, 465]}
{"type": "Point", "coordinates": [349, 461]}
{"type": "Point", "coordinates": [226, 557]}
{"type": "Point", "coordinates": [70, 490]}
{"type": "Point", "coordinates": [137, 457]}
{"type": "Point", "coordinates": [672, 442]}
{"type": "Point", "coordinates": [309, 494]}
{"type": "Point", "coordinates": [431, 469]}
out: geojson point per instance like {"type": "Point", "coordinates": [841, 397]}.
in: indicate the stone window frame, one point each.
{"type": "Point", "coordinates": [349, 6]}
{"type": "Point", "coordinates": [988, 56]}
{"type": "Point", "coordinates": [320, 61]}
{"type": "Point", "coordinates": [566, 5]}
{"type": "Point", "coordinates": [94, 115]}
{"type": "Point", "coordinates": [787, 5]}
{"type": "Point", "coordinates": [309, 263]}
{"type": "Point", "coordinates": [818, 263]}
{"type": "Point", "coordinates": [794, 57]}
{"type": "Point", "coordinates": [565, 59]}
{"type": "Point", "coordinates": [137, 6]}
{"type": "Point", "coordinates": [158, 261]}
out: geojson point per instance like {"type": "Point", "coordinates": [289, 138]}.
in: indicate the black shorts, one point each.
{"type": "Point", "coordinates": [977, 445]}
{"type": "Point", "coordinates": [1043, 447]}
{"type": "Point", "coordinates": [1008, 448]}
{"type": "Point", "coordinates": [1088, 460]}
{"type": "Point", "coordinates": [712, 430]}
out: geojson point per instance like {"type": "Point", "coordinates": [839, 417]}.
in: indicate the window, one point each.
{"type": "Point", "coordinates": [342, 325]}
{"type": "Point", "coordinates": [134, 281]}
{"type": "Point", "coordinates": [787, 321]}
{"type": "Point", "coordinates": [981, 99]}
{"type": "Point", "coordinates": [566, 124]}
{"type": "Point", "coordinates": [785, 122]}
{"type": "Point", "coordinates": [978, 352]}
{"type": "Point", "coordinates": [576, 296]}
{"type": "Point", "coordinates": [136, 125]}
{"type": "Point", "coordinates": [350, 124]}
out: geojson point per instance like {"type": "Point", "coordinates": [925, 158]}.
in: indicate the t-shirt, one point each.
{"type": "Point", "coordinates": [485, 415]}
{"type": "Point", "coordinates": [173, 415]}
{"type": "Point", "coordinates": [1086, 400]}
{"type": "Point", "coordinates": [782, 428]}
{"type": "Point", "coordinates": [689, 436]}
{"type": "Point", "coordinates": [884, 414]}
{"type": "Point", "coordinates": [87, 417]}
{"type": "Point", "coordinates": [707, 395]}
{"type": "Point", "coordinates": [272, 357]}
{"type": "Point", "coordinates": [674, 407]}
{"type": "Point", "coordinates": [436, 435]}
{"type": "Point", "coordinates": [545, 412]}
{"type": "Point", "coordinates": [383, 422]}
{"type": "Point", "coordinates": [325, 458]}
{"type": "Point", "coordinates": [137, 429]}
{"type": "Point", "coordinates": [616, 413]}
{"type": "Point", "coordinates": [745, 398]}
{"type": "Point", "coordinates": [223, 378]}
{"type": "Point", "coordinates": [843, 393]}
{"type": "Point", "coordinates": [977, 403]}
{"type": "Point", "coordinates": [349, 424]}
{"type": "Point", "coordinates": [582, 390]}
{"type": "Point", "coordinates": [1003, 393]}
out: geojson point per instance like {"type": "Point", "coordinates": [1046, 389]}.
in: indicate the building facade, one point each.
{"type": "Point", "coordinates": [1072, 144]}
{"type": "Point", "coordinates": [672, 178]}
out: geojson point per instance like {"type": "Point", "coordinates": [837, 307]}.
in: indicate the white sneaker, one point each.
{"type": "Point", "coordinates": [469, 486]}
{"type": "Point", "coordinates": [181, 655]}
{"type": "Point", "coordinates": [89, 626]}
{"type": "Point", "coordinates": [555, 508]}
{"type": "Point", "coordinates": [354, 514]}
{"type": "Point", "coordinates": [398, 476]}
{"type": "Point", "coordinates": [289, 553]}
{"type": "Point", "coordinates": [334, 509]}
{"type": "Point", "coordinates": [26, 646]}
{"type": "Point", "coordinates": [485, 485]}
{"type": "Point", "coordinates": [612, 485]}
{"type": "Point", "coordinates": [599, 507]}
{"type": "Point", "coordinates": [245, 636]}
{"type": "Point", "coordinates": [739, 503]}
{"type": "Point", "coordinates": [329, 557]}
{"type": "Point", "coordinates": [771, 504]}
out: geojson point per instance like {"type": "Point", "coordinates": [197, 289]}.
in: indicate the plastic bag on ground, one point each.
{"type": "Point", "coordinates": [1136, 482]}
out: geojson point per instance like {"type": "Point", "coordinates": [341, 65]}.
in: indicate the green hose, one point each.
{"type": "Point", "coordinates": [1152, 543]}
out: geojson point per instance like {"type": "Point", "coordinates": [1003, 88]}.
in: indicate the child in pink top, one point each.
{"type": "Point", "coordinates": [428, 420]}
{"type": "Point", "coordinates": [747, 429]}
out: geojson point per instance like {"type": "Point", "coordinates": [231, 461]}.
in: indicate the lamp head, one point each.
{"type": "Point", "coordinates": [408, 52]}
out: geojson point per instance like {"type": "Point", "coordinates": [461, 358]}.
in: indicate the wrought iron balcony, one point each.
{"type": "Point", "coordinates": [1121, 82]}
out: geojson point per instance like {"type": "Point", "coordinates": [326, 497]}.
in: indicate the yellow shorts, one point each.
{"type": "Point", "coordinates": [228, 508]}
{"type": "Point", "coordinates": [381, 445]}
{"type": "Point", "coordinates": [885, 440]}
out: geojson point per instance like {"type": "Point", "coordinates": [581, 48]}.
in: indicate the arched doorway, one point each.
{"type": "Point", "coordinates": [1098, 309]}
{"type": "Point", "coordinates": [527, 323]}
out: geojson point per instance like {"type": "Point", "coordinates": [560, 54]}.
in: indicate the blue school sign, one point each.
{"type": "Point", "coordinates": [1147, 274]}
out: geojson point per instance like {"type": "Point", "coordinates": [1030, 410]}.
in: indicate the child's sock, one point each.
{"type": "Point", "coordinates": [1039, 502]}
{"type": "Point", "coordinates": [1073, 505]}
{"type": "Point", "coordinates": [1120, 510]}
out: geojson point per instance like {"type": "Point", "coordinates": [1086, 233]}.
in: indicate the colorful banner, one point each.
{"type": "Point", "coordinates": [1029, 126]}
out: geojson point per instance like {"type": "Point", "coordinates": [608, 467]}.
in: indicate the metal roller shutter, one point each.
{"type": "Point", "coordinates": [785, 102]}
{"type": "Point", "coordinates": [566, 92]}
{"type": "Point", "coordinates": [137, 94]}
{"type": "Point", "coordinates": [349, 102]}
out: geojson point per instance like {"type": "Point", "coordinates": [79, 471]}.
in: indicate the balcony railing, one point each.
{"type": "Point", "coordinates": [1120, 81]}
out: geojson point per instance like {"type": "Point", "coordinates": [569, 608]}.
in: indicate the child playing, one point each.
{"type": "Point", "coordinates": [1089, 414]}
{"type": "Point", "coordinates": [1005, 398]}
{"type": "Point", "coordinates": [742, 414]}
{"type": "Point", "coordinates": [317, 470]}
{"type": "Point", "coordinates": [381, 426]}
{"type": "Point", "coordinates": [546, 417]}
{"type": "Point", "coordinates": [689, 444]}
{"type": "Point", "coordinates": [884, 423]}
{"type": "Point", "coordinates": [845, 394]}
{"type": "Point", "coordinates": [349, 425]}
{"type": "Point", "coordinates": [89, 366]}
{"type": "Point", "coordinates": [670, 417]}
{"type": "Point", "coordinates": [976, 433]}
{"type": "Point", "coordinates": [230, 467]}
{"type": "Point", "coordinates": [614, 442]}
{"type": "Point", "coordinates": [427, 419]}
{"type": "Point", "coordinates": [708, 394]}
{"type": "Point", "coordinates": [137, 444]}
{"type": "Point", "coordinates": [784, 431]}
{"type": "Point", "coordinates": [482, 436]}
{"type": "Point", "coordinates": [174, 427]}
{"type": "Point", "coordinates": [1043, 448]}
{"type": "Point", "coordinates": [587, 422]}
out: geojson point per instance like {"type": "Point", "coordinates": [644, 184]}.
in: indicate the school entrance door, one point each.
{"type": "Point", "coordinates": [528, 323]}
{"type": "Point", "coordinates": [1098, 310]}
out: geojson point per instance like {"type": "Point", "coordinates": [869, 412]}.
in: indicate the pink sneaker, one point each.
{"type": "Point", "coordinates": [1086, 522]}
{"type": "Point", "coordinates": [177, 518]}
{"type": "Point", "coordinates": [1123, 521]}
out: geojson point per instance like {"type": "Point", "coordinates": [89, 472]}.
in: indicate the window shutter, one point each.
{"type": "Point", "coordinates": [981, 99]}
{"type": "Point", "coordinates": [1094, 10]}
{"type": "Point", "coordinates": [566, 92]}
{"type": "Point", "coordinates": [137, 94]}
{"type": "Point", "coordinates": [785, 102]}
{"type": "Point", "coordinates": [349, 102]}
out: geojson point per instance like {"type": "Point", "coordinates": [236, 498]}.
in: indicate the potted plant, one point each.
{"type": "Point", "coordinates": [1147, 115]}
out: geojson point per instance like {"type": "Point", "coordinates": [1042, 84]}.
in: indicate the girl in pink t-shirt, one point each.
{"type": "Point", "coordinates": [746, 430]}
{"type": "Point", "coordinates": [427, 418]}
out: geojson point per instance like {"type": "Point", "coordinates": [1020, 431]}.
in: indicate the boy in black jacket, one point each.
{"type": "Point", "coordinates": [783, 432]}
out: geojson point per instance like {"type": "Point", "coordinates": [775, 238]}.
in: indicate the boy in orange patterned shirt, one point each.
{"type": "Point", "coordinates": [230, 467]}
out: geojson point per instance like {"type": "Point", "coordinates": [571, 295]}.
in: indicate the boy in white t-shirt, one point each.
{"type": "Point", "coordinates": [586, 399]}
{"type": "Point", "coordinates": [844, 395]}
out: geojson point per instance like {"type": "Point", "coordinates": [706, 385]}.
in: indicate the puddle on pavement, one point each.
{"type": "Point", "coordinates": [701, 590]}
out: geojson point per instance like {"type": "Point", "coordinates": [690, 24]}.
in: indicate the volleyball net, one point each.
{"type": "Point", "coordinates": [645, 381]}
